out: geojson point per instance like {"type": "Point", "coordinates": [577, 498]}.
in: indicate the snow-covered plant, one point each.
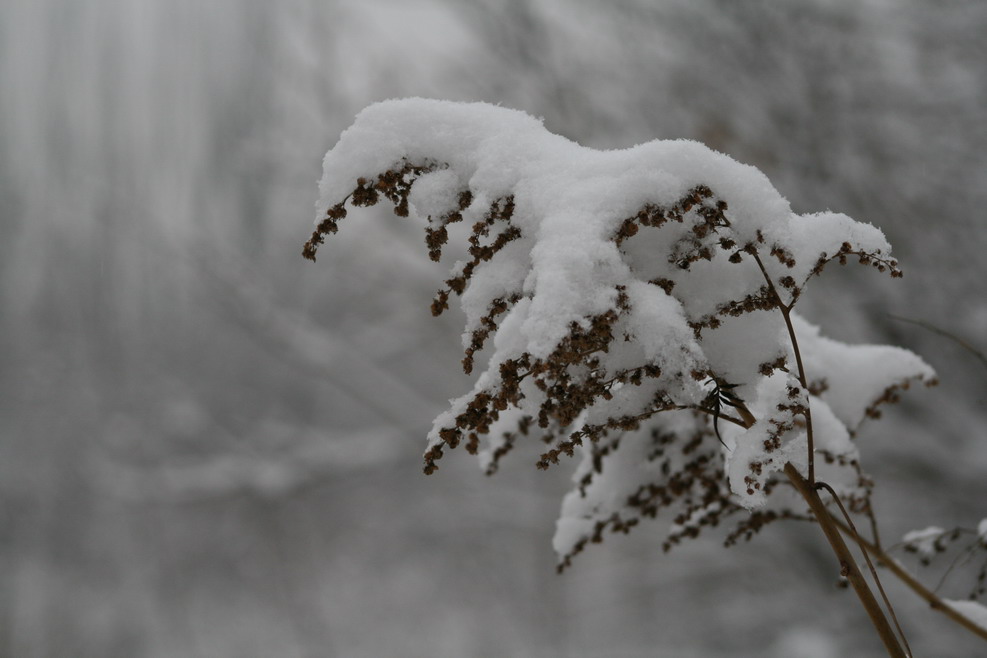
{"type": "Point", "coordinates": [633, 309]}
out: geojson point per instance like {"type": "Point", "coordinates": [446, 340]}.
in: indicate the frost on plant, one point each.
{"type": "Point", "coordinates": [628, 308]}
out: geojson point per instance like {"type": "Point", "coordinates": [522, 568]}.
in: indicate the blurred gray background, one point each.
{"type": "Point", "coordinates": [210, 447]}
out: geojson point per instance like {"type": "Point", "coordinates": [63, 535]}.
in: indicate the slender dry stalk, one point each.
{"type": "Point", "coordinates": [848, 566]}
{"type": "Point", "coordinates": [807, 489]}
{"type": "Point", "coordinates": [786, 312]}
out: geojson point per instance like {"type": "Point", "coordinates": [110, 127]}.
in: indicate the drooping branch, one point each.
{"type": "Point", "coordinates": [607, 290]}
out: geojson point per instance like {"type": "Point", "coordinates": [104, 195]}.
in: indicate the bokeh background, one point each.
{"type": "Point", "coordinates": [210, 447]}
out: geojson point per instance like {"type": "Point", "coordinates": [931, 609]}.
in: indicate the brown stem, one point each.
{"type": "Point", "coordinates": [848, 566]}
{"type": "Point", "coordinates": [870, 564]}
{"type": "Point", "coordinates": [930, 597]}
{"type": "Point", "coordinates": [786, 312]}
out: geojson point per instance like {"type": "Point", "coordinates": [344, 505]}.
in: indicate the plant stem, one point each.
{"type": "Point", "coordinates": [786, 312]}
{"type": "Point", "coordinates": [848, 566]}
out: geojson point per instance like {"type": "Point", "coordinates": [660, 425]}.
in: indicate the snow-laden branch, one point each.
{"type": "Point", "coordinates": [630, 305]}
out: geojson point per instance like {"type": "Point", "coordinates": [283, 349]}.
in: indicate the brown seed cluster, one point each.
{"type": "Point", "coordinates": [783, 255]}
{"type": "Point", "coordinates": [394, 184]}
{"type": "Point", "coordinates": [789, 416]}
{"type": "Point", "coordinates": [689, 482]}
{"type": "Point", "coordinates": [567, 382]}
{"type": "Point", "coordinates": [940, 544]}
{"type": "Point", "coordinates": [615, 523]}
{"type": "Point", "coordinates": [488, 324]}
{"type": "Point", "coordinates": [761, 300]}
{"type": "Point", "coordinates": [768, 369]}
{"type": "Point", "coordinates": [878, 261]}
{"type": "Point", "coordinates": [891, 396]}
{"type": "Point", "coordinates": [756, 521]}
{"type": "Point", "coordinates": [326, 226]}
{"type": "Point", "coordinates": [694, 483]}
{"type": "Point", "coordinates": [507, 444]}
{"type": "Point", "coordinates": [436, 233]}
{"type": "Point", "coordinates": [502, 211]}
{"type": "Point", "coordinates": [709, 212]}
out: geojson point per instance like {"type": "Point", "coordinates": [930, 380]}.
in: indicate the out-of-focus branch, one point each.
{"type": "Point", "coordinates": [942, 332]}
{"type": "Point", "coordinates": [933, 600]}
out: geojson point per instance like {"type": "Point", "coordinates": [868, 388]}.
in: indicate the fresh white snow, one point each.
{"type": "Point", "coordinates": [975, 612]}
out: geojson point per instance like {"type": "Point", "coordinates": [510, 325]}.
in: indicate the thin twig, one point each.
{"type": "Point", "coordinates": [786, 312]}
{"type": "Point", "coordinates": [962, 558]}
{"type": "Point", "coordinates": [929, 596]}
{"type": "Point", "coordinates": [942, 332]}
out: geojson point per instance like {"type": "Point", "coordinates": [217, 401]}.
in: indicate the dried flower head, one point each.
{"type": "Point", "coordinates": [634, 309]}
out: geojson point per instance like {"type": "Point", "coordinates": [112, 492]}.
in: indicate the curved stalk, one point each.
{"type": "Point", "coordinates": [870, 564]}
